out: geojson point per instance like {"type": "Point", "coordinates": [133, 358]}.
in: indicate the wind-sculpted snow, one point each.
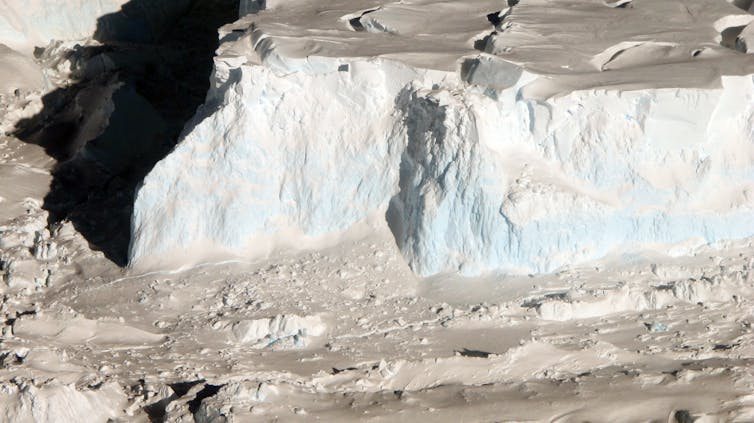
{"type": "Point", "coordinates": [477, 161]}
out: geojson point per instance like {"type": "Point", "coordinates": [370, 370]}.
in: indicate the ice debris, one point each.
{"type": "Point", "coordinates": [280, 331]}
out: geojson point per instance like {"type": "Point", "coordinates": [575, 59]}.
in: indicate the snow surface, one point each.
{"type": "Point", "coordinates": [18, 72]}
{"type": "Point", "coordinates": [485, 139]}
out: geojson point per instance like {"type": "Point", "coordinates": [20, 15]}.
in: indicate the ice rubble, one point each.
{"type": "Point", "coordinates": [278, 330]}
{"type": "Point", "coordinates": [519, 158]}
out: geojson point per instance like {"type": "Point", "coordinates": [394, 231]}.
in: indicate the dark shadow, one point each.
{"type": "Point", "coordinates": [157, 411]}
{"type": "Point", "coordinates": [125, 110]}
{"type": "Point", "coordinates": [743, 4]}
{"type": "Point", "coordinates": [473, 353]}
{"type": "Point", "coordinates": [729, 37]}
{"type": "Point", "coordinates": [206, 392]}
{"type": "Point", "coordinates": [424, 118]}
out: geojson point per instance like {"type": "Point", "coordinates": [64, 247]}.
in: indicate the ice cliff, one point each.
{"type": "Point", "coordinates": [485, 141]}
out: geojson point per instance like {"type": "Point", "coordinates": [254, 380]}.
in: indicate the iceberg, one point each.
{"type": "Point", "coordinates": [482, 139]}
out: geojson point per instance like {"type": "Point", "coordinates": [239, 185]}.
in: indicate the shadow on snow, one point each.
{"type": "Point", "coordinates": [124, 111]}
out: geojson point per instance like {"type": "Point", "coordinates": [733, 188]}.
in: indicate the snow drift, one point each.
{"type": "Point", "coordinates": [479, 161]}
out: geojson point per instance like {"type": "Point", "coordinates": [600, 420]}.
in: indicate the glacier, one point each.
{"type": "Point", "coordinates": [485, 142]}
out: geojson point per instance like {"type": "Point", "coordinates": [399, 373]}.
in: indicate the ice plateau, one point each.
{"type": "Point", "coordinates": [486, 141]}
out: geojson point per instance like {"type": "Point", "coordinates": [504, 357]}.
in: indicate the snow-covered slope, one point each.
{"type": "Point", "coordinates": [486, 140]}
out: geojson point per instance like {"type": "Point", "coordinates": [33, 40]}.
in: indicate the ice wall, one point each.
{"type": "Point", "coordinates": [472, 167]}
{"type": "Point", "coordinates": [526, 185]}
{"type": "Point", "coordinates": [260, 163]}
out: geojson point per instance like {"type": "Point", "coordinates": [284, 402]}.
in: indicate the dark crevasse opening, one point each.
{"type": "Point", "coordinates": [124, 110]}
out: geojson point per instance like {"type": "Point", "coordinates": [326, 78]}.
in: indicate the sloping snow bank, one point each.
{"type": "Point", "coordinates": [476, 171]}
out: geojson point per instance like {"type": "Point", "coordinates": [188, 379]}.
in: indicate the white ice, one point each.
{"type": "Point", "coordinates": [484, 162]}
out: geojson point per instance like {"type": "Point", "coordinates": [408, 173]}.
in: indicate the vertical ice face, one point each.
{"type": "Point", "coordinates": [276, 155]}
{"type": "Point", "coordinates": [446, 211]}
{"type": "Point", "coordinates": [530, 186]}
{"type": "Point", "coordinates": [28, 23]}
{"type": "Point", "coordinates": [477, 180]}
{"type": "Point", "coordinates": [481, 164]}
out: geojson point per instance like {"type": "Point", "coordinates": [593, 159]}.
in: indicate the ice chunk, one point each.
{"type": "Point", "coordinates": [278, 329]}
